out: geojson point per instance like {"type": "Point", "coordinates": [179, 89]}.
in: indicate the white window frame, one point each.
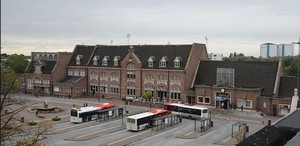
{"type": "Point", "coordinates": [288, 109]}
{"type": "Point", "coordinates": [243, 102]}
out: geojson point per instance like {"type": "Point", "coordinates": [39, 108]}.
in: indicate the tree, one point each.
{"type": "Point", "coordinates": [8, 77]}
{"type": "Point", "coordinates": [17, 62]}
{"type": "Point", "coordinates": [13, 130]}
{"type": "Point", "coordinates": [291, 64]}
{"type": "Point", "coordinates": [148, 95]}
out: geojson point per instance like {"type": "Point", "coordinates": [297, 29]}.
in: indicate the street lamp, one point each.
{"type": "Point", "coordinates": [298, 66]}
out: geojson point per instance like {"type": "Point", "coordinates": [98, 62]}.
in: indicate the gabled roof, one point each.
{"type": "Point", "coordinates": [143, 52]}
{"type": "Point", "coordinates": [246, 74]}
{"type": "Point", "coordinates": [85, 51]}
{"type": "Point", "coordinates": [287, 86]}
{"type": "Point", "coordinates": [46, 68]}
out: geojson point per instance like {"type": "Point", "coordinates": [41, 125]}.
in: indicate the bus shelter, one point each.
{"type": "Point", "coordinates": [163, 122]}
{"type": "Point", "coordinates": [111, 113]}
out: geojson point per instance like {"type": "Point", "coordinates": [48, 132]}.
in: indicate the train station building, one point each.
{"type": "Point", "coordinates": [172, 73]}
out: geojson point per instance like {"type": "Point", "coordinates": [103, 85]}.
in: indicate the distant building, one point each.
{"type": "Point", "coordinates": [268, 50]}
{"type": "Point", "coordinates": [285, 50]}
{"type": "Point", "coordinates": [215, 56]}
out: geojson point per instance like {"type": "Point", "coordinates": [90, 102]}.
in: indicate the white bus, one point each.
{"type": "Point", "coordinates": [142, 121]}
{"type": "Point", "coordinates": [83, 114]}
{"type": "Point", "coordinates": [187, 111]}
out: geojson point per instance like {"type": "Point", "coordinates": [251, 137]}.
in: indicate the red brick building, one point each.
{"type": "Point", "coordinates": [172, 73]}
{"type": "Point", "coordinates": [119, 71]}
{"type": "Point", "coordinates": [249, 85]}
{"type": "Point", "coordinates": [44, 69]}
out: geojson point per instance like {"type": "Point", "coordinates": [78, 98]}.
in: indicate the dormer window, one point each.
{"type": "Point", "coordinates": [150, 61]}
{"type": "Point", "coordinates": [177, 62]}
{"type": "Point", "coordinates": [78, 59]}
{"type": "Point", "coordinates": [95, 60]}
{"type": "Point", "coordinates": [163, 62]}
{"type": "Point", "coordinates": [116, 60]}
{"type": "Point", "coordinates": [105, 61]}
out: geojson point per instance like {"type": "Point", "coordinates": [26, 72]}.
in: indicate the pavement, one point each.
{"type": "Point", "coordinates": [237, 115]}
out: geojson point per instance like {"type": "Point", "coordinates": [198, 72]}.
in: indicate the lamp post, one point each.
{"type": "Point", "coordinates": [298, 63]}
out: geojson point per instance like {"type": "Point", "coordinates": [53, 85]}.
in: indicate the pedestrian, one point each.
{"type": "Point", "coordinates": [242, 107]}
{"type": "Point", "coordinates": [36, 112]}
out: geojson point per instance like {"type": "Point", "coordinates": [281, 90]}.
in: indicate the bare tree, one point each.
{"type": "Point", "coordinates": [13, 129]}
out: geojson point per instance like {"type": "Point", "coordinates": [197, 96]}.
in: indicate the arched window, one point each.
{"type": "Point", "coordinates": [130, 66]}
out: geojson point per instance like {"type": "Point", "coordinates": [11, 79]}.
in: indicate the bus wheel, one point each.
{"type": "Point", "coordinates": [146, 127]}
{"type": "Point", "coordinates": [190, 117]}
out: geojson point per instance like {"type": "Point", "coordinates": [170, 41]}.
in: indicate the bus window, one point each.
{"type": "Point", "coordinates": [74, 113]}
{"type": "Point", "coordinates": [204, 111]}
{"type": "Point", "coordinates": [143, 120]}
{"type": "Point", "coordinates": [195, 111]}
{"type": "Point", "coordinates": [185, 110]}
{"type": "Point", "coordinates": [130, 120]}
{"type": "Point", "coordinates": [179, 109]}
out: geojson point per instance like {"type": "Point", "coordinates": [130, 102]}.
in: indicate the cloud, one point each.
{"type": "Point", "coordinates": [235, 24]}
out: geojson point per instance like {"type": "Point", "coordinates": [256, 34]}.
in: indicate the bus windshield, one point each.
{"type": "Point", "coordinates": [129, 120]}
{"type": "Point", "coordinates": [74, 113]}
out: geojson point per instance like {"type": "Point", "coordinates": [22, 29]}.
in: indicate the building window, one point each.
{"type": "Point", "coordinates": [103, 76]}
{"type": "Point", "coordinates": [94, 88]}
{"type": "Point", "coordinates": [163, 62]}
{"type": "Point", "coordinates": [93, 76]}
{"type": "Point", "coordinates": [56, 89]}
{"type": "Point", "coordinates": [284, 109]}
{"type": "Point", "coordinates": [130, 66]}
{"type": "Point", "coordinates": [79, 58]}
{"type": "Point", "coordinates": [95, 60]}
{"type": "Point", "coordinates": [175, 93]}
{"type": "Point", "coordinates": [225, 77]}
{"type": "Point", "coordinates": [177, 62]}
{"type": "Point", "coordinates": [204, 99]}
{"type": "Point", "coordinates": [114, 89]}
{"type": "Point", "coordinates": [149, 78]}
{"type": "Point", "coordinates": [82, 73]}
{"type": "Point", "coordinates": [103, 88]}
{"type": "Point", "coordinates": [175, 80]}
{"type": "Point", "coordinates": [70, 72]}
{"type": "Point", "coordinates": [105, 61]}
{"type": "Point", "coordinates": [244, 103]}
{"type": "Point", "coordinates": [264, 104]}
{"type": "Point", "coordinates": [150, 61]}
{"type": "Point", "coordinates": [76, 72]}
{"type": "Point", "coordinates": [116, 60]}
{"type": "Point", "coordinates": [131, 89]}
{"type": "Point", "coordinates": [114, 77]}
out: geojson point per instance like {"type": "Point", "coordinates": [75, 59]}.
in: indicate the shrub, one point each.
{"type": "Point", "coordinates": [32, 122]}
{"type": "Point", "coordinates": [56, 118]}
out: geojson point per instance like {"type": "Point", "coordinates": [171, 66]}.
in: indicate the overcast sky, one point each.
{"type": "Point", "coordinates": [230, 25]}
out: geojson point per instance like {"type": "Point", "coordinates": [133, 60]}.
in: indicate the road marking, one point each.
{"type": "Point", "coordinates": [96, 132]}
{"type": "Point", "coordinates": [226, 139]}
{"type": "Point", "coordinates": [127, 138]}
{"type": "Point", "coordinates": [188, 133]}
{"type": "Point", "coordinates": [72, 126]}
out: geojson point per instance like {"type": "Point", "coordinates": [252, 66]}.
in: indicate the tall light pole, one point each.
{"type": "Point", "coordinates": [298, 62]}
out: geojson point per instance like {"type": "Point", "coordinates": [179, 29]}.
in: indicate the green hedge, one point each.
{"type": "Point", "coordinates": [56, 118]}
{"type": "Point", "coordinates": [32, 122]}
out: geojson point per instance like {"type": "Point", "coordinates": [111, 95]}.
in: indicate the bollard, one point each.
{"type": "Point", "coordinates": [22, 119]}
{"type": "Point", "coordinates": [5, 112]}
